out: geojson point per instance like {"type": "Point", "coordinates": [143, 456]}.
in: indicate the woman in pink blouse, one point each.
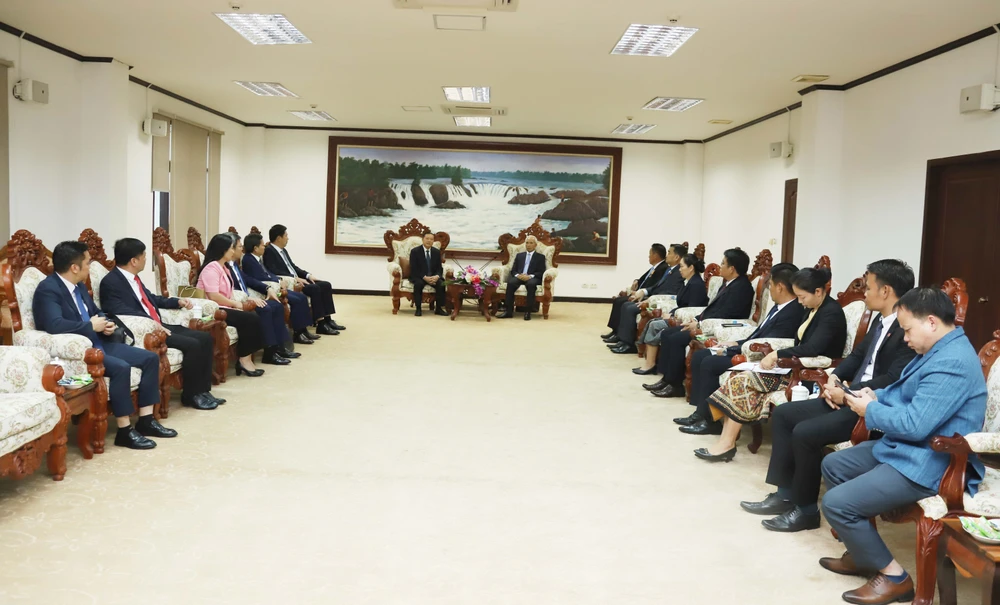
{"type": "Point", "coordinates": [218, 286]}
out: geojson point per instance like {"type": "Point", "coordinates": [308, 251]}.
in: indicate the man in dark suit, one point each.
{"type": "Point", "coordinates": [669, 283]}
{"type": "Point", "coordinates": [123, 293]}
{"type": "Point", "coordinates": [426, 270]}
{"type": "Point", "coordinates": [253, 268]}
{"type": "Point", "coordinates": [800, 430]}
{"type": "Point", "coordinates": [733, 301]}
{"type": "Point", "coordinates": [62, 305]}
{"type": "Point", "coordinates": [527, 271]}
{"type": "Point", "coordinates": [270, 310]}
{"type": "Point", "coordinates": [657, 257]}
{"type": "Point", "coordinates": [320, 293]}
{"type": "Point", "coordinates": [782, 321]}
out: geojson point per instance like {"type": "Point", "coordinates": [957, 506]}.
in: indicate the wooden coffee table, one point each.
{"type": "Point", "coordinates": [975, 559]}
{"type": "Point", "coordinates": [456, 292]}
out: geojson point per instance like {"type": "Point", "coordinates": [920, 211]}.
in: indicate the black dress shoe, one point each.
{"type": "Point", "coordinates": [147, 426]}
{"type": "Point", "coordinates": [336, 326]}
{"type": "Point", "coordinates": [702, 428]}
{"type": "Point", "coordinates": [612, 340]}
{"type": "Point", "coordinates": [792, 521]}
{"type": "Point", "coordinates": [417, 313]}
{"type": "Point", "coordinates": [656, 386]}
{"type": "Point", "coordinates": [772, 505]}
{"type": "Point", "coordinates": [323, 328]}
{"type": "Point", "coordinates": [671, 390]}
{"type": "Point", "coordinates": [641, 372]}
{"type": "Point", "coordinates": [608, 335]}
{"type": "Point", "coordinates": [283, 352]}
{"type": "Point", "coordinates": [310, 335]}
{"type": "Point", "coordinates": [274, 359]}
{"type": "Point", "coordinates": [726, 456]}
{"type": "Point", "coordinates": [440, 311]}
{"type": "Point", "coordinates": [527, 316]}
{"type": "Point", "coordinates": [624, 348]}
{"type": "Point", "coordinates": [201, 401]}
{"type": "Point", "coordinates": [688, 420]}
{"type": "Point", "coordinates": [301, 339]}
{"type": "Point", "coordinates": [133, 440]}
{"type": "Point", "coordinates": [506, 315]}
{"type": "Point", "coordinates": [217, 400]}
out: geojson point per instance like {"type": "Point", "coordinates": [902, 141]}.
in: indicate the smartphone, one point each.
{"type": "Point", "coordinates": [840, 383]}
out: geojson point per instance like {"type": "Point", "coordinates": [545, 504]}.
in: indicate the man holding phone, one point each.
{"type": "Point", "coordinates": [800, 430]}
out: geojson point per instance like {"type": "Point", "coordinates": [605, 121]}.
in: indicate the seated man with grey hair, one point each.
{"type": "Point", "coordinates": [527, 271]}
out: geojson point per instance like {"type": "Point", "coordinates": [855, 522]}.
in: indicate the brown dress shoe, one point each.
{"type": "Point", "coordinates": [880, 590]}
{"type": "Point", "coordinates": [844, 565]}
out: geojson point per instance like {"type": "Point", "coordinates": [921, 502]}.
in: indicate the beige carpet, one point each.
{"type": "Point", "coordinates": [419, 460]}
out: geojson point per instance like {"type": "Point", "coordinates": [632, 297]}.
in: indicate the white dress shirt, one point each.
{"type": "Point", "coordinates": [886, 323]}
{"type": "Point", "coordinates": [130, 278]}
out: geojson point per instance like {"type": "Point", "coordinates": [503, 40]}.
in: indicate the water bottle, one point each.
{"type": "Point", "coordinates": [799, 393]}
{"type": "Point", "coordinates": [815, 392]}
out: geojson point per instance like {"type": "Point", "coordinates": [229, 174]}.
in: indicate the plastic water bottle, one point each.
{"type": "Point", "coordinates": [815, 392]}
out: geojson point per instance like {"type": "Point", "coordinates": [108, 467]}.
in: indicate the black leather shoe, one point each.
{"type": "Point", "coordinates": [641, 372]}
{"type": "Point", "coordinates": [201, 401]}
{"type": "Point", "coordinates": [792, 521]}
{"type": "Point", "coordinates": [656, 386]}
{"type": "Point", "coordinates": [336, 326]}
{"type": "Point", "coordinates": [623, 348]}
{"type": "Point", "coordinates": [441, 312]}
{"type": "Point", "coordinates": [274, 359]}
{"type": "Point", "coordinates": [772, 505]}
{"type": "Point", "coordinates": [253, 374]}
{"type": "Point", "coordinates": [702, 428]}
{"type": "Point", "coordinates": [217, 400]}
{"type": "Point", "coordinates": [418, 313]}
{"type": "Point", "coordinates": [723, 457]}
{"type": "Point", "coordinates": [612, 340]}
{"type": "Point", "coordinates": [527, 316]}
{"type": "Point", "coordinates": [310, 335]}
{"type": "Point", "coordinates": [283, 352]}
{"type": "Point", "coordinates": [301, 339]}
{"type": "Point", "coordinates": [671, 390]}
{"type": "Point", "coordinates": [688, 420]}
{"type": "Point", "coordinates": [608, 335]}
{"type": "Point", "coordinates": [323, 328]}
{"type": "Point", "coordinates": [147, 426]}
{"type": "Point", "coordinates": [133, 440]}
{"type": "Point", "coordinates": [507, 315]}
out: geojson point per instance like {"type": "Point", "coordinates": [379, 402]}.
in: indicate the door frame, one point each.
{"type": "Point", "coordinates": [788, 221]}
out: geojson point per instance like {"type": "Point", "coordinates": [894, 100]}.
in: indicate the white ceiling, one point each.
{"type": "Point", "coordinates": [548, 63]}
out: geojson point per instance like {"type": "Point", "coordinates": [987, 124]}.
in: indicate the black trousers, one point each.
{"type": "Point", "coordinates": [616, 312]}
{"type": "Point", "coordinates": [119, 359]}
{"type": "Point", "coordinates": [513, 284]}
{"type": "Point", "coordinates": [627, 328]}
{"type": "Point", "coordinates": [321, 297]}
{"type": "Point", "coordinates": [706, 370]}
{"type": "Point", "coordinates": [249, 329]}
{"type": "Point", "coordinates": [670, 358]}
{"type": "Point", "coordinates": [272, 324]}
{"type": "Point", "coordinates": [418, 291]}
{"type": "Point", "coordinates": [197, 348]}
{"type": "Point", "coordinates": [799, 432]}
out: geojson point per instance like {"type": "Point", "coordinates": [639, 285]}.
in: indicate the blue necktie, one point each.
{"type": "Point", "coordinates": [80, 305]}
{"type": "Point", "coordinates": [770, 314]}
{"type": "Point", "coordinates": [239, 278]}
{"type": "Point", "coordinates": [870, 354]}
{"type": "Point", "coordinates": [527, 261]}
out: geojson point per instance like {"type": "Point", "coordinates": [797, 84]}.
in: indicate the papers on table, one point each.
{"type": "Point", "coordinates": [752, 366]}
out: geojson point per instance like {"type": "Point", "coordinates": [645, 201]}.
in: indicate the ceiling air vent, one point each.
{"type": "Point", "coordinates": [810, 78]}
{"type": "Point", "coordinates": [493, 5]}
{"type": "Point", "coordinates": [473, 110]}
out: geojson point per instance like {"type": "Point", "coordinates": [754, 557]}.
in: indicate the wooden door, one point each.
{"type": "Point", "coordinates": [961, 226]}
{"type": "Point", "coordinates": [788, 224]}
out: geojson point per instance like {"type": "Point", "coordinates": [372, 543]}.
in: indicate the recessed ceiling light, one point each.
{"type": "Point", "coordinates": [313, 115]}
{"type": "Point", "coordinates": [472, 121]}
{"type": "Point", "coordinates": [264, 29]}
{"type": "Point", "coordinates": [653, 40]}
{"type": "Point", "coordinates": [671, 104]}
{"type": "Point", "coordinates": [424, 108]}
{"type": "Point", "coordinates": [810, 78]}
{"type": "Point", "coordinates": [720, 121]}
{"type": "Point", "coordinates": [467, 94]}
{"type": "Point", "coordinates": [266, 89]}
{"type": "Point", "coordinates": [633, 128]}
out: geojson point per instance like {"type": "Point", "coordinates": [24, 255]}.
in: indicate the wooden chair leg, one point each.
{"type": "Point", "coordinates": [928, 533]}
{"type": "Point", "coordinates": [57, 456]}
{"type": "Point", "coordinates": [758, 437]}
{"type": "Point", "coordinates": [545, 310]}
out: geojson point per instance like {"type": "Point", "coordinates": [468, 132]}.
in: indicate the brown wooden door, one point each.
{"type": "Point", "coordinates": [961, 226]}
{"type": "Point", "coordinates": [788, 224]}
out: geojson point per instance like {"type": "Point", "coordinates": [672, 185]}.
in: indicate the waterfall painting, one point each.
{"type": "Point", "coordinates": [475, 192]}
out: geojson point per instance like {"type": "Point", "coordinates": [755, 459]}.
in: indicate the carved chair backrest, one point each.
{"type": "Point", "coordinates": [400, 243]}
{"type": "Point", "coordinates": [699, 251]}
{"type": "Point", "coordinates": [959, 295]}
{"type": "Point", "coordinates": [28, 263]}
{"type": "Point", "coordinates": [761, 269]}
{"type": "Point", "coordinates": [859, 318]}
{"type": "Point", "coordinates": [713, 281]}
{"type": "Point", "coordinates": [100, 264]}
{"type": "Point", "coordinates": [173, 268]}
{"type": "Point", "coordinates": [988, 357]}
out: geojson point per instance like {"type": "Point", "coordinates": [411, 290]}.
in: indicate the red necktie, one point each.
{"type": "Point", "coordinates": [145, 301]}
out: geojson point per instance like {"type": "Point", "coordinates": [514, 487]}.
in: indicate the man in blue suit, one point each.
{"type": "Point", "coordinates": [940, 392]}
{"type": "Point", "coordinates": [253, 268]}
{"type": "Point", "coordinates": [526, 271]}
{"type": "Point", "coordinates": [62, 305]}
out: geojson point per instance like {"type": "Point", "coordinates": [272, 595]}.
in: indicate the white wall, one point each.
{"type": "Point", "coordinates": [285, 176]}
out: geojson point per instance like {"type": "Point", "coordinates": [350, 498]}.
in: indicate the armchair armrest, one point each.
{"type": "Point", "coordinates": [952, 489]}
{"type": "Point", "coordinates": [287, 281]}
{"type": "Point", "coordinates": [500, 274]}
{"type": "Point", "coordinates": [395, 272]}
{"type": "Point", "coordinates": [756, 349]}
{"type": "Point", "coordinates": [664, 303]}
{"type": "Point", "coordinates": [550, 275]}
{"type": "Point", "coordinates": [70, 346]}
{"type": "Point", "coordinates": [141, 327]}
{"type": "Point", "coordinates": [688, 313]}
{"type": "Point", "coordinates": [21, 368]}
{"type": "Point", "coordinates": [177, 317]}
{"type": "Point", "coordinates": [980, 443]}
{"type": "Point", "coordinates": [733, 334]}
{"type": "Point", "coordinates": [33, 338]}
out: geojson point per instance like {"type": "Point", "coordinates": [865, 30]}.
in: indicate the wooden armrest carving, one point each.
{"type": "Point", "coordinates": [952, 488]}
{"type": "Point", "coordinates": [712, 342]}
{"type": "Point", "coordinates": [792, 363]}
{"type": "Point", "coordinates": [814, 375]}
{"type": "Point", "coordinates": [51, 375]}
{"type": "Point", "coordinates": [248, 305]}
{"type": "Point", "coordinates": [860, 432]}
{"type": "Point", "coordinates": [761, 347]}
{"type": "Point", "coordinates": [738, 359]}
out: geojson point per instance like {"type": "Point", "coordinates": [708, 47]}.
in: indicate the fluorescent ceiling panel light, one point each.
{"type": "Point", "coordinates": [467, 94]}
{"type": "Point", "coordinates": [313, 115]}
{"type": "Point", "coordinates": [652, 40]}
{"type": "Point", "coordinates": [266, 89]}
{"type": "Point", "coordinates": [720, 121]}
{"type": "Point", "coordinates": [671, 104]}
{"type": "Point", "coordinates": [810, 78]}
{"type": "Point", "coordinates": [473, 121]}
{"type": "Point", "coordinates": [423, 108]}
{"type": "Point", "coordinates": [260, 28]}
{"type": "Point", "coordinates": [633, 128]}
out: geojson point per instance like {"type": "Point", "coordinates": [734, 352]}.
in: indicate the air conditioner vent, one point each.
{"type": "Point", "coordinates": [493, 5]}
{"type": "Point", "coordinates": [473, 110]}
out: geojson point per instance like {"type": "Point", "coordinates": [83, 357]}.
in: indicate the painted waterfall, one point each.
{"type": "Point", "coordinates": [474, 195]}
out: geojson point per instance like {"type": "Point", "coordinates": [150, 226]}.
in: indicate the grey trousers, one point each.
{"type": "Point", "coordinates": [627, 327]}
{"type": "Point", "coordinates": [859, 488]}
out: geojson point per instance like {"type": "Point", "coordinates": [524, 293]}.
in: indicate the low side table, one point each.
{"type": "Point", "coordinates": [458, 291]}
{"type": "Point", "coordinates": [978, 559]}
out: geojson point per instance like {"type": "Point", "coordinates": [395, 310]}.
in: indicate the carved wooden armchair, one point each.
{"type": "Point", "coordinates": [34, 417]}
{"type": "Point", "coordinates": [399, 244]}
{"type": "Point", "coordinates": [282, 286]}
{"type": "Point", "coordinates": [510, 246]}
{"type": "Point", "coordinates": [196, 245]}
{"type": "Point", "coordinates": [28, 263]}
{"type": "Point", "coordinates": [176, 269]}
{"type": "Point", "coordinates": [654, 306]}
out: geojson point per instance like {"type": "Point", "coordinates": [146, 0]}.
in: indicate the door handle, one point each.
{"type": "Point", "coordinates": [984, 299]}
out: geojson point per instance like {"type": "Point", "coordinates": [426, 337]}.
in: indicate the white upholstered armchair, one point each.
{"type": "Point", "coordinates": [510, 247]}
{"type": "Point", "coordinates": [399, 244]}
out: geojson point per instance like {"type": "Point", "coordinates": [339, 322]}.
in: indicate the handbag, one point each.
{"type": "Point", "coordinates": [190, 292]}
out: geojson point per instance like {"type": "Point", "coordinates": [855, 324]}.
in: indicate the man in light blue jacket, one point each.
{"type": "Point", "coordinates": [941, 392]}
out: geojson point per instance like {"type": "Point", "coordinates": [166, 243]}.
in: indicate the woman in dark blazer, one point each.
{"type": "Point", "coordinates": [743, 398]}
{"type": "Point", "coordinates": [692, 294]}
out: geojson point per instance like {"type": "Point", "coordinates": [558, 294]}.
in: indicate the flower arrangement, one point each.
{"type": "Point", "coordinates": [470, 276]}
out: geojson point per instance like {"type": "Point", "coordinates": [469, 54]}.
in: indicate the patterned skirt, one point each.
{"type": "Point", "coordinates": [743, 397]}
{"type": "Point", "coordinates": [651, 335]}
